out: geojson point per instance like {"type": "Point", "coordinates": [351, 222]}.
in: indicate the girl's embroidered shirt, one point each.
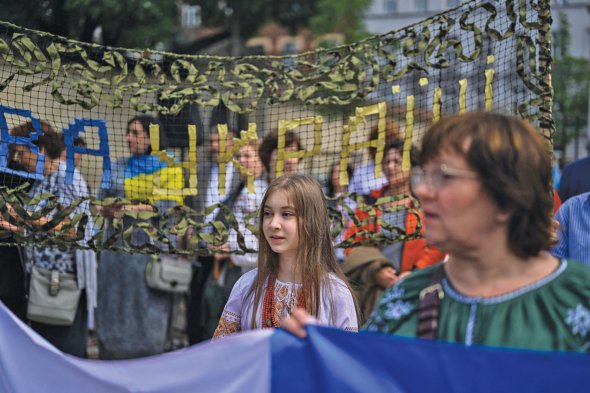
{"type": "Point", "coordinates": [336, 305]}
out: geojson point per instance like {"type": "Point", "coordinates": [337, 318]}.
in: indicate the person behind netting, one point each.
{"type": "Point", "coordinates": [81, 190]}
{"type": "Point", "coordinates": [269, 153]}
{"type": "Point", "coordinates": [575, 179]}
{"type": "Point", "coordinates": [573, 233]}
{"type": "Point", "coordinates": [247, 204]}
{"type": "Point", "coordinates": [484, 184]}
{"type": "Point", "coordinates": [79, 179]}
{"type": "Point", "coordinates": [336, 189]}
{"type": "Point", "coordinates": [297, 266]}
{"type": "Point", "coordinates": [69, 339]}
{"type": "Point", "coordinates": [407, 255]}
{"type": "Point", "coordinates": [227, 268]}
{"type": "Point", "coordinates": [363, 179]}
{"type": "Point", "coordinates": [12, 270]}
{"type": "Point", "coordinates": [370, 273]}
{"type": "Point", "coordinates": [132, 319]}
{"type": "Point", "coordinates": [198, 312]}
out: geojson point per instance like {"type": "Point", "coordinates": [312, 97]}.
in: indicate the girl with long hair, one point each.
{"type": "Point", "coordinates": [297, 266]}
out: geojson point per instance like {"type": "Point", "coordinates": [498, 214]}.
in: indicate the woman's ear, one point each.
{"type": "Point", "coordinates": [503, 216]}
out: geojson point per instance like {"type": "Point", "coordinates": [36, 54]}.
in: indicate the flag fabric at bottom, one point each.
{"type": "Point", "coordinates": [330, 360]}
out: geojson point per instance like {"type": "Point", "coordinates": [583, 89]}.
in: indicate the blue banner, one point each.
{"type": "Point", "coordinates": [330, 360]}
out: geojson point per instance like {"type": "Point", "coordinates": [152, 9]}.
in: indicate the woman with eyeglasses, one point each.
{"type": "Point", "coordinates": [484, 184]}
{"type": "Point", "coordinates": [389, 211]}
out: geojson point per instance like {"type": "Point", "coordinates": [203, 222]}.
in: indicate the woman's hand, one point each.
{"type": "Point", "coordinates": [386, 277]}
{"type": "Point", "coordinates": [297, 321]}
{"type": "Point", "coordinates": [5, 224]}
{"type": "Point", "coordinates": [115, 210]}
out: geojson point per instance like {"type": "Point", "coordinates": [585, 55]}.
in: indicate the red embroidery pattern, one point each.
{"type": "Point", "coordinates": [226, 327]}
{"type": "Point", "coordinates": [272, 309]}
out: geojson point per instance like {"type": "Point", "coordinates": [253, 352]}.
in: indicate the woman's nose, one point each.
{"type": "Point", "coordinates": [423, 191]}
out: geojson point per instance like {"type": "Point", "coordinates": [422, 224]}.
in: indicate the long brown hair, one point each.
{"type": "Point", "coordinates": [315, 257]}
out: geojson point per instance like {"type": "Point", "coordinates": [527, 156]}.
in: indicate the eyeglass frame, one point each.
{"type": "Point", "coordinates": [438, 178]}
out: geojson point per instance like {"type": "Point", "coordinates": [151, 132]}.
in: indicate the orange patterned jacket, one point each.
{"type": "Point", "coordinates": [416, 253]}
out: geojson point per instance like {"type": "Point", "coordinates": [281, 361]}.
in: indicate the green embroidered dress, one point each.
{"type": "Point", "coordinates": [550, 314]}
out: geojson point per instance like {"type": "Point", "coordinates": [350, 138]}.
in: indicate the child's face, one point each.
{"type": "Point", "coordinates": [137, 138]}
{"type": "Point", "coordinates": [289, 165]}
{"type": "Point", "coordinates": [392, 169]}
{"type": "Point", "coordinates": [280, 224]}
{"type": "Point", "coordinates": [249, 159]}
{"type": "Point", "coordinates": [24, 156]}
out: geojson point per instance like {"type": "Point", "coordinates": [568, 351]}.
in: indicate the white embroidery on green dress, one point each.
{"type": "Point", "coordinates": [393, 294]}
{"type": "Point", "coordinates": [398, 309]}
{"type": "Point", "coordinates": [579, 319]}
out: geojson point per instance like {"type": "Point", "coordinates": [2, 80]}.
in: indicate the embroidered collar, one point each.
{"type": "Point", "coordinates": [458, 296]}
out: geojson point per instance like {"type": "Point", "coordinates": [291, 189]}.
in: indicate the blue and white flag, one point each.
{"type": "Point", "coordinates": [330, 360]}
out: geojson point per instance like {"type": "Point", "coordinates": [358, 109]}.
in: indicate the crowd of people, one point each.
{"type": "Point", "coordinates": [483, 259]}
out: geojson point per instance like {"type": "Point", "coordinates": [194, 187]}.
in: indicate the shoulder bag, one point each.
{"type": "Point", "coordinates": [166, 273]}
{"type": "Point", "coordinates": [53, 297]}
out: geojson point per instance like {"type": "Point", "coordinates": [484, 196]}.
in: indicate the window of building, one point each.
{"type": "Point", "coordinates": [453, 3]}
{"type": "Point", "coordinates": [421, 5]}
{"type": "Point", "coordinates": [390, 6]}
{"type": "Point", "coordinates": [191, 16]}
{"type": "Point", "coordinates": [290, 48]}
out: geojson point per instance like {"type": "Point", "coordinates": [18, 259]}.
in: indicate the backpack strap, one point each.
{"type": "Point", "coordinates": [429, 308]}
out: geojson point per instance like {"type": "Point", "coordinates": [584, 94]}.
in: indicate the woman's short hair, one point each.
{"type": "Point", "coordinates": [49, 140]}
{"type": "Point", "coordinates": [514, 165]}
{"type": "Point", "coordinates": [145, 121]}
{"type": "Point", "coordinates": [271, 142]}
{"type": "Point", "coordinates": [392, 132]}
{"type": "Point", "coordinates": [331, 187]}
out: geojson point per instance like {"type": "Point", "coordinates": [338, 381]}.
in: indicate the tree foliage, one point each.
{"type": "Point", "coordinates": [340, 16]}
{"type": "Point", "coordinates": [156, 23]}
{"type": "Point", "coordinates": [126, 23]}
{"type": "Point", "coordinates": [571, 82]}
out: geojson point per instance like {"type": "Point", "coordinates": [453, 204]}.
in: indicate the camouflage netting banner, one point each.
{"type": "Point", "coordinates": [143, 151]}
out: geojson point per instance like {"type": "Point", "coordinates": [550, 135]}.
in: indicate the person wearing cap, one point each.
{"type": "Point", "coordinates": [370, 273]}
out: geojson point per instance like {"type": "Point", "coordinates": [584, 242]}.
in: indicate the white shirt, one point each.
{"type": "Point", "coordinates": [213, 196]}
{"type": "Point", "coordinates": [336, 305]}
{"type": "Point", "coordinates": [247, 204]}
{"type": "Point", "coordinates": [363, 180]}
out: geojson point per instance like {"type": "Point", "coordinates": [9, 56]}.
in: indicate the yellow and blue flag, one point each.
{"type": "Point", "coordinates": [148, 178]}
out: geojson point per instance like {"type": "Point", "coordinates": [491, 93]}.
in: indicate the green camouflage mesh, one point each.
{"type": "Point", "coordinates": [326, 113]}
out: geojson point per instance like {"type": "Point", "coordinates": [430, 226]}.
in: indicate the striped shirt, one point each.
{"type": "Point", "coordinates": [574, 231]}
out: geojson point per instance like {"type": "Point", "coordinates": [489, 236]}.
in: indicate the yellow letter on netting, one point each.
{"type": "Point", "coordinates": [488, 90]}
{"type": "Point", "coordinates": [243, 140]}
{"type": "Point", "coordinates": [287, 125]}
{"type": "Point", "coordinates": [379, 143]}
{"type": "Point", "coordinates": [224, 156]}
{"type": "Point", "coordinates": [409, 132]}
{"type": "Point", "coordinates": [462, 95]}
{"type": "Point", "coordinates": [436, 105]}
{"type": "Point", "coordinates": [171, 177]}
